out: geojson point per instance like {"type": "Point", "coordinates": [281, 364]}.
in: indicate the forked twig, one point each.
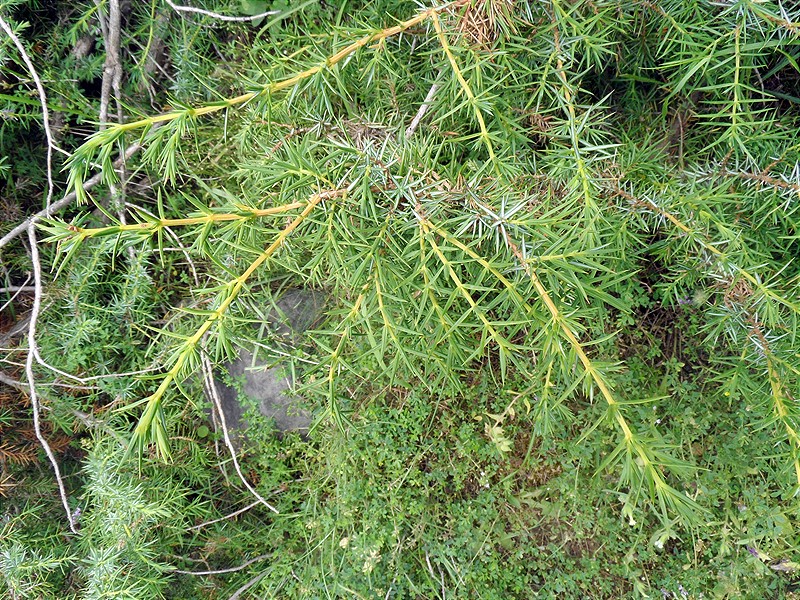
{"type": "Point", "coordinates": [6, 380]}
{"type": "Point", "coordinates": [16, 290]}
{"type": "Point", "coordinates": [211, 388]}
{"type": "Point", "coordinates": [68, 198]}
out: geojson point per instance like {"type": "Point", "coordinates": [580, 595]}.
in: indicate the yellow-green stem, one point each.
{"type": "Point", "coordinates": [462, 289]}
{"type": "Point", "coordinates": [148, 419]}
{"type": "Point", "coordinates": [465, 86]}
{"type": "Point", "coordinates": [153, 226]}
{"type": "Point", "coordinates": [782, 412]}
{"type": "Point", "coordinates": [548, 302]}
{"type": "Point", "coordinates": [290, 81]}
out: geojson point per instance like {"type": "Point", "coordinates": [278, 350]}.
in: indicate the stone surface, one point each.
{"type": "Point", "coordinates": [295, 311]}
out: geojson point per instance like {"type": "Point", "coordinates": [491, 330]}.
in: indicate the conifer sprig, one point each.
{"type": "Point", "coordinates": [493, 238]}
{"type": "Point", "coordinates": [152, 426]}
{"type": "Point", "coordinates": [100, 146]}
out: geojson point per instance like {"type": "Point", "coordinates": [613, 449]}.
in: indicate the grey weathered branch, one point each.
{"type": "Point", "coordinates": [32, 350]}
{"type": "Point", "coordinates": [228, 570]}
{"type": "Point", "coordinates": [422, 110]}
{"type": "Point", "coordinates": [68, 199]}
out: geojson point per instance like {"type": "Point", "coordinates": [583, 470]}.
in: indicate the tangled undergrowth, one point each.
{"type": "Point", "coordinates": [559, 241]}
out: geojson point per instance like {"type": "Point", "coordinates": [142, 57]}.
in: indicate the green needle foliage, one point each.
{"type": "Point", "coordinates": [510, 240]}
{"type": "Point", "coordinates": [500, 198]}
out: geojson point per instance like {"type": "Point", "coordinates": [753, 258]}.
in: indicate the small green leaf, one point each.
{"type": "Point", "coordinates": [254, 7]}
{"type": "Point", "coordinates": [498, 438]}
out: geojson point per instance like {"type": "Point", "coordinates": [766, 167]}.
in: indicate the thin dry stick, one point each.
{"type": "Point", "coordinates": [68, 199]}
{"type": "Point", "coordinates": [213, 15]}
{"type": "Point", "coordinates": [248, 585]}
{"type": "Point", "coordinates": [14, 331]}
{"type": "Point", "coordinates": [112, 79]}
{"type": "Point", "coordinates": [241, 567]}
{"type": "Point", "coordinates": [175, 237]}
{"type": "Point", "coordinates": [17, 290]}
{"type": "Point", "coordinates": [211, 387]}
{"type": "Point", "coordinates": [51, 145]}
{"type": "Point", "coordinates": [226, 517]}
{"type": "Point", "coordinates": [32, 349]}
{"type": "Point", "coordinates": [92, 422]}
{"type": "Point", "coordinates": [85, 380]}
{"type": "Point", "coordinates": [422, 110]}
{"type": "Point", "coordinates": [5, 379]}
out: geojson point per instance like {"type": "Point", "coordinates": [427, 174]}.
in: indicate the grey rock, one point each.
{"type": "Point", "coordinates": [268, 386]}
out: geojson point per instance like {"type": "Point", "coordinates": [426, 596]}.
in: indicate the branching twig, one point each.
{"type": "Point", "coordinates": [5, 379]}
{"type": "Point", "coordinates": [85, 380]}
{"type": "Point", "coordinates": [213, 15]}
{"type": "Point", "coordinates": [92, 422]}
{"type": "Point", "coordinates": [68, 199]}
{"type": "Point", "coordinates": [175, 237]}
{"type": "Point", "coordinates": [16, 330]}
{"type": "Point", "coordinates": [17, 289]}
{"type": "Point", "coordinates": [211, 387]}
{"type": "Point", "coordinates": [32, 349]}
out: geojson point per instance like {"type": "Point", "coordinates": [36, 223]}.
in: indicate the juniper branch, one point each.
{"type": "Point", "coordinates": [152, 427]}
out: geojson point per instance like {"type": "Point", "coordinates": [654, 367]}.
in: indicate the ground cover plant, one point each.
{"type": "Point", "coordinates": [559, 243]}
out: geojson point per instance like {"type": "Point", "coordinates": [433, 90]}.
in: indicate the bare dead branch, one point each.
{"type": "Point", "coordinates": [248, 585]}
{"type": "Point", "coordinates": [235, 513]}
{"type": "Point", "coordinates": [228, 570]}
{"type": "Point", "coordinates": [422, 110]}
{"type": "Point", "coordinates": [112, 81]}
{"type": "Point", "coordinates": [5, 379]}
{"type": "Point", "coordinates": [111, 68]}
{"type": "Point", "coordinates": [16, 290]}
{"type": "Point", "coordinates": [68, 199]}
{"type": "Point", "coordinates": [211, 387]}
{"type": "Point", "coordinates": [32, 349]}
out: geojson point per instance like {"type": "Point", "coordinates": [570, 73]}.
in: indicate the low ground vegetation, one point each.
{"type": "Point", "coordinates": [559, 242]}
